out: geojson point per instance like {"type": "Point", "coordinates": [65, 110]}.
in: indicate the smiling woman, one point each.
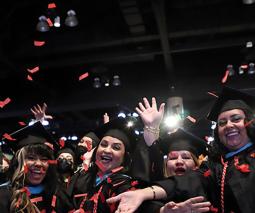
{"type": "Point", "coordinates": [108, 173]}
{"type": "Point", "coordinates": [34, 177]}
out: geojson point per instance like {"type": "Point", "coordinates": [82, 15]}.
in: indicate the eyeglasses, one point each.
{"type": "Point", "coordinates": [234, 119]}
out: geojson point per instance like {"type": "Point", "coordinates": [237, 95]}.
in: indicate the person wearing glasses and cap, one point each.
{"type": "Point", "coordinates": [227, 178]}
{"type": "Point", "coordinates": [108, 174]}
{"type": "Point", "coordinates": [34, 177]}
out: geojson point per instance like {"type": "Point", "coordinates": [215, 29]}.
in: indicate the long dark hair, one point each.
{"type": "Point", "coordinates": [218, 149]}
{"type": "Point", "coordinates": [18, 178]}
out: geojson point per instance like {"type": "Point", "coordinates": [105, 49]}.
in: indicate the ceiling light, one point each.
{"type": "Point", "coordinates": [63, 138]}
{"type": "Point", "coordinates": [248, 1]}
{"type": "Point", "coordinates": [71, 19]}
{"type": "Point", "coordinates": [241, 70]}
{"type": "Point", "coordinates": [249, 44]}
{"type": "Point", "coordinates": [116, 80]}
{"type": "Point", "coordinates": [42, 25]}
{"type": "Point", "coordinates": [45, 122]}
{"type": "Point", "coordinates": [74, 138]}
{"type": "Point", "coordinates": [231, 70]}
{"type": "Point", "coordinates": [251, 69]}
{"type": "Point", "coordinates": [134, 114]}
{"type": "Point", "coordinates": [96, 83]}
{"type": "Point", "coordinates": [107, 83]}
{"type": "Point", "coordinates": [172, 121]}
{"type": "Point", "coordinates": [122, 114]}
{"type": "Point", "coordinates": [57, 21]}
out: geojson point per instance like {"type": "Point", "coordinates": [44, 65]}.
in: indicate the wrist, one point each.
{"type": "Point", "coordinates": [151, 129]}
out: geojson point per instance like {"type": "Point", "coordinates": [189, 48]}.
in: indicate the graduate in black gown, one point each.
{"type": "Point", "coordinates": [227, 178]}
{"type": "Point", "coordinates": [108, 174]}
{"type": "Point", "coordinates": [6, 154]}
{"type": "Point", "coordinates": [66, 163]}
{"type": "Point", "coordinates": [182, 151]}
{"type": "Point", "coordinates": [34, 186]}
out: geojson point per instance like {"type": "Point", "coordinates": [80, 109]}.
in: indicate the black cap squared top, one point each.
{"type": "Point", "coordinates": [231, 99]}
{"type": "Point", "coordinates": [183, 140]}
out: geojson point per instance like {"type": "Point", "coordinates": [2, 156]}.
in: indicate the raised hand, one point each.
{"type": "Point", "coordinates": [151, 118]}
{"type": "Point", "coordinates": [192, 205]}
{"type": "Point", "coordinates": [106, 118]}
{"type": "Point", "coordinates": [39, 112]}
{"type": "Point", "coordinates": [149, 114]}
{"type": "Point", "coordinates": [128, 201]}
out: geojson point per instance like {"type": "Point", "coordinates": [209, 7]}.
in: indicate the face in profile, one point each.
{"type": "Point", "coordinates": [110, 153]}
{"type": "Point", "coordinates": [178, 162]}
{"type": "Point", "coordinates": [37, 167]}
{"type": "Point", "coordinates": [231, 129]}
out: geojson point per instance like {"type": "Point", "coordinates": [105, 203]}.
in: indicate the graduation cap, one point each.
{"type": "Point", "coordinates": [229, 99]}
{"type": "Point", "coordinates": [201, 128]}
{"type": "Point", "coordinates": [31, 134]}
{"type": "Point", "coordinates": [123, 129]}
{"type": "Point", "coordinates": [183, 140]}
{"type": "Point", "coordinates": [94, 138]}
{"type": "Point", "coordinates": [69, 147]}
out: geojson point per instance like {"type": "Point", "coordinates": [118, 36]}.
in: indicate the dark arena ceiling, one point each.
{"type": "Point", "coordinates": [152, 45]}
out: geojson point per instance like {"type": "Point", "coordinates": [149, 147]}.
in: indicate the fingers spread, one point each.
{"type": "Point", "coordinates": [146, 103]}
{"type": "Point", "coordinates": [142, 108]}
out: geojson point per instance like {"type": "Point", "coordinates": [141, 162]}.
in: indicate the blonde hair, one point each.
{"type": "Point", "coordinates": [165, 170]}
{"type": "Point", "coordinates": [20, 201]}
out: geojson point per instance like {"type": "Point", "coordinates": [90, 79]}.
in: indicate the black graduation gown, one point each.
{"type": "Point", "coordinates": [5, 196]}
{"type": "Point", "coordinates": [91, 197]}
{"type": "Point", "coordinates": [239, 195]}
{"type": "Point", "coordinates": [59, 202]}
{"type": "Point", "coordinates": [147, 162]}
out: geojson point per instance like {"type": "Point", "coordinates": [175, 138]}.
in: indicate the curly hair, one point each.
{"type": "Point", "coordinates": [20, 201]}
{"type": "Point", "coordinates": [218, 149]}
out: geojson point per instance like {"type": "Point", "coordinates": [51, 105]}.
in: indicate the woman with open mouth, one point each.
{"type": "Point", "coordinates": [227, 178]}
{"type": "Point", "coordinates": [108, 172]}
{"type": "Point", "coordinates": [34, 177]}
{"type": "Point", "coordinates": [172, 154]}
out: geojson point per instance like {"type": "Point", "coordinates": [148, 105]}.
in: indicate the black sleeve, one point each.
{"type": "Point", "coordinates": [140, 166]}
{"type": "Point", "coordinates": [169, 185]}
{"type": "Point", "coordinates": [147, 162]}
{"type": "Point", "coordinates": [150, 206]}
{"type": "Point", "coordinates": [64, 202]}
{"type": "Point", "coordinates": [5, 196]}
{"type": "Point", "coordinates": [156, 162]}
{"type": "Point", "coordinates": [181, 188]}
